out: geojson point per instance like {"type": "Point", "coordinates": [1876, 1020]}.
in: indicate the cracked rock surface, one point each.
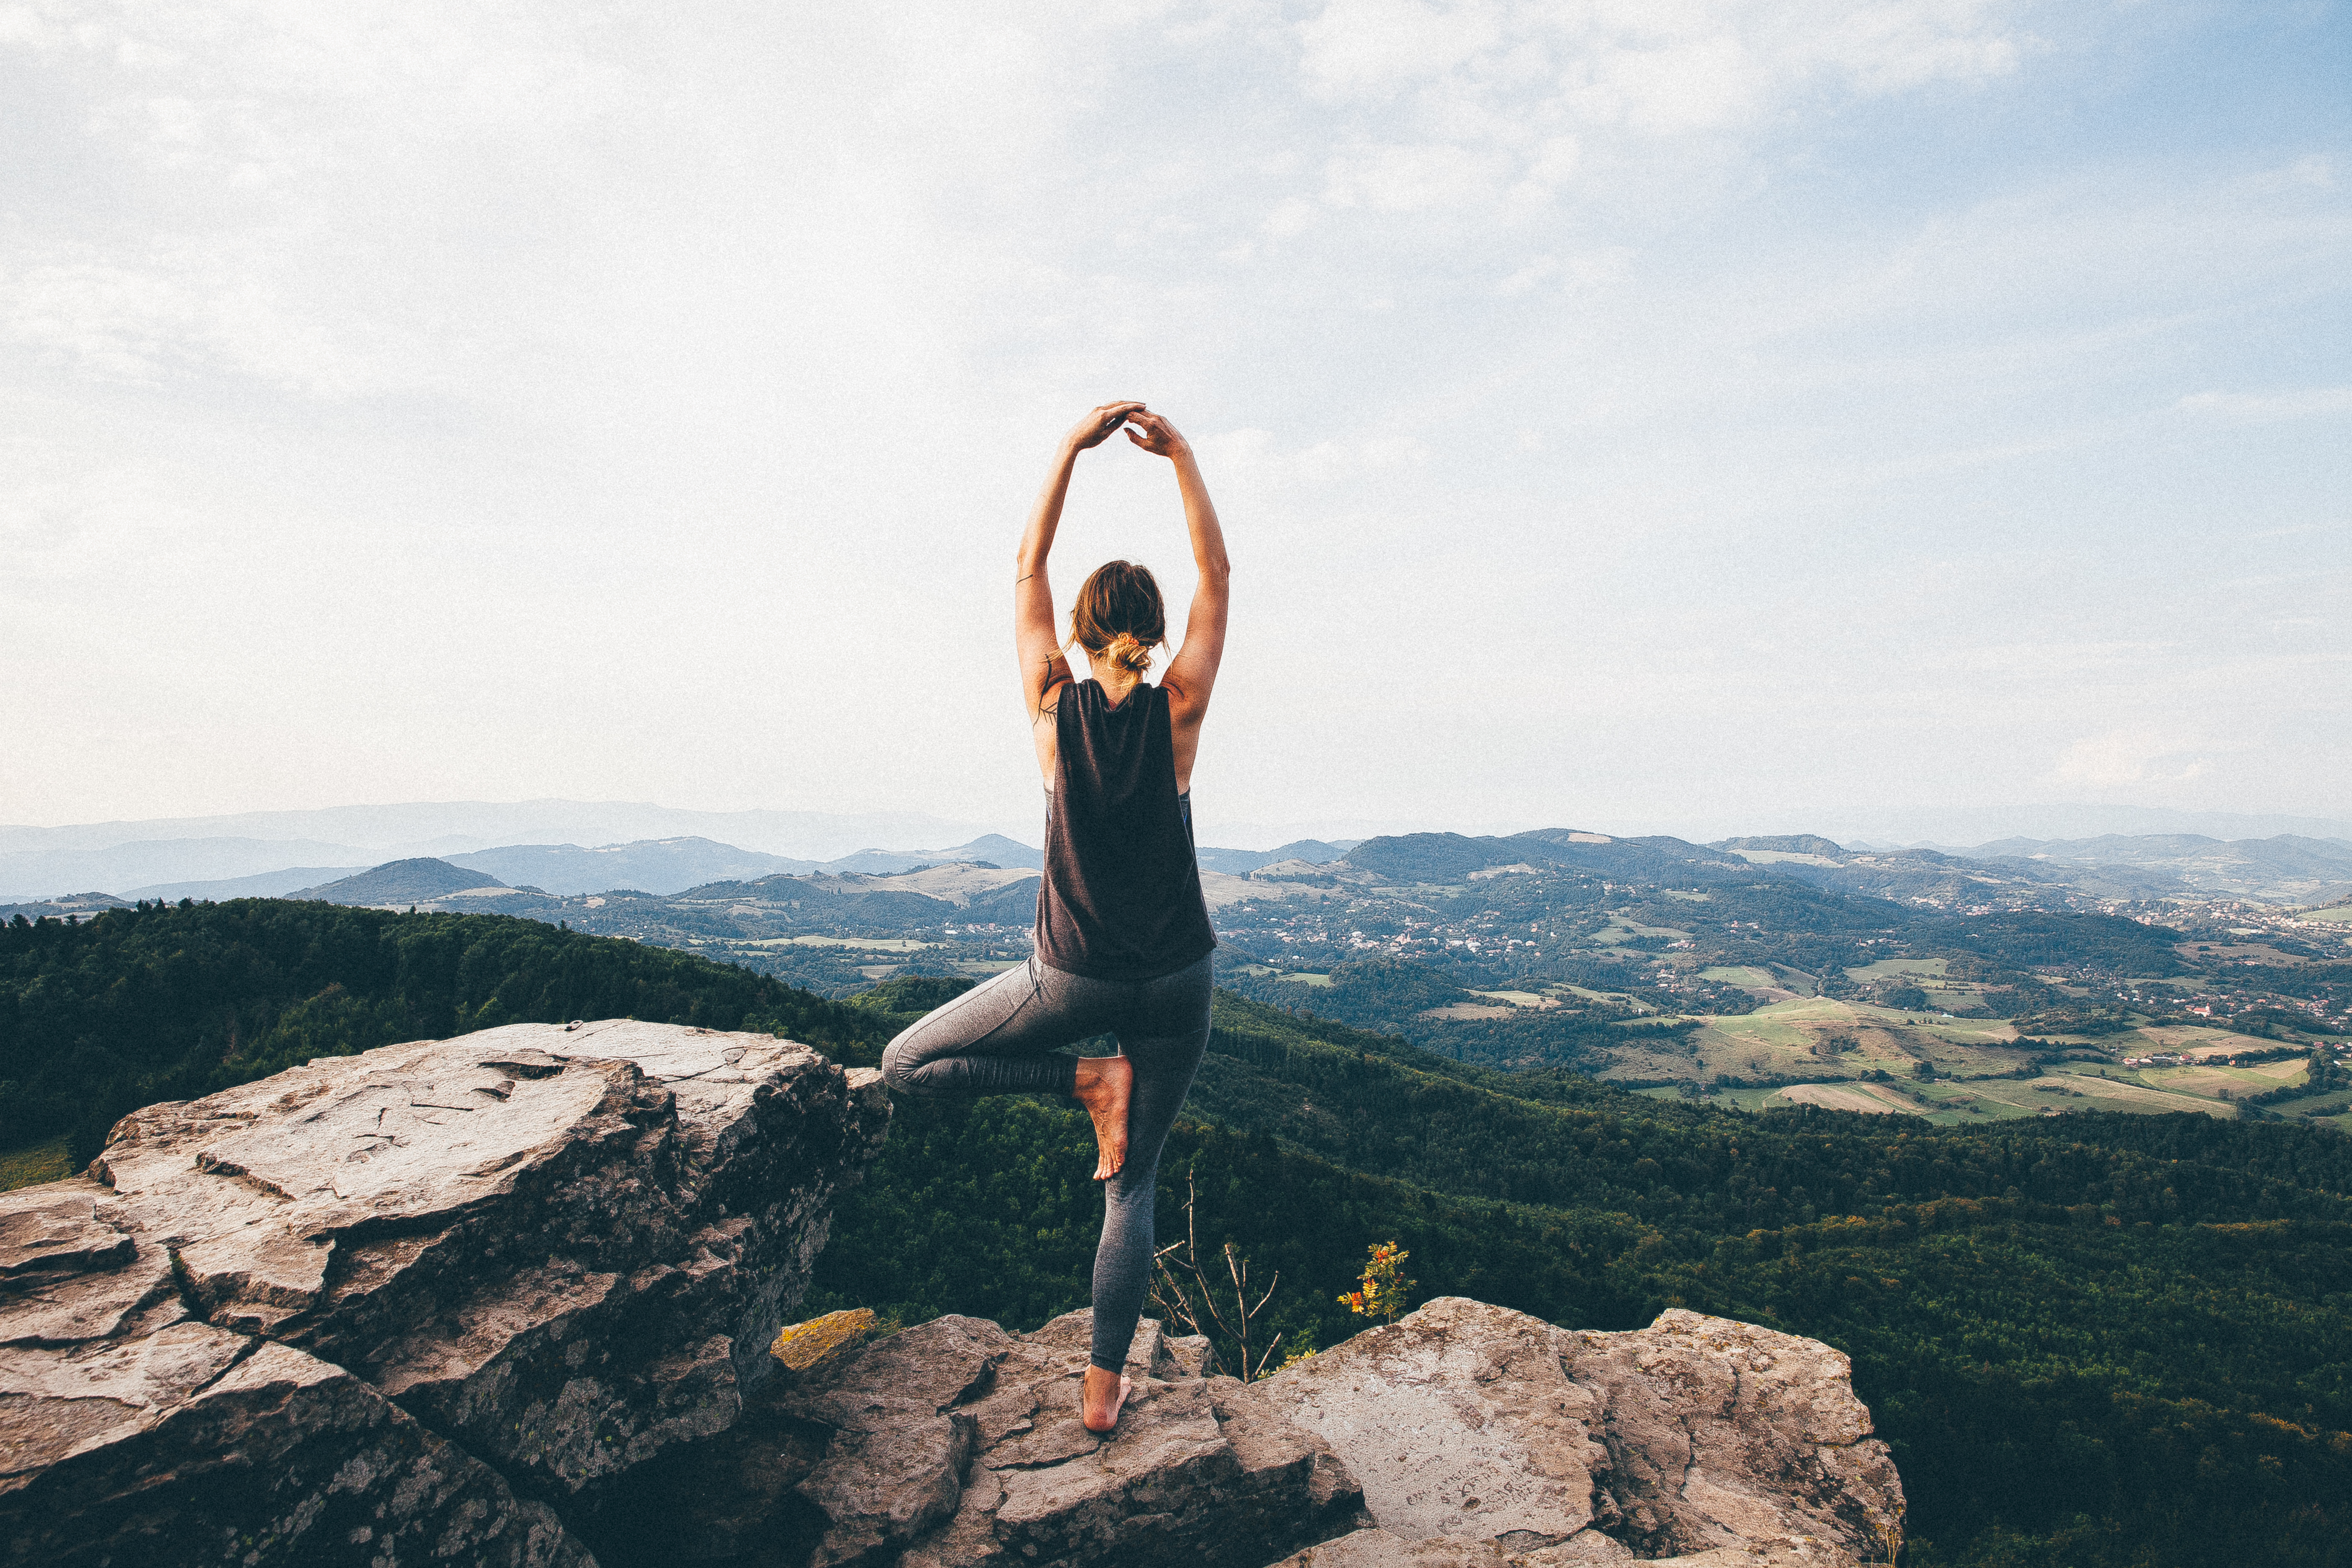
{"type": "Point", "coordinates": [1483, 1436]}
{"type": "Point", "coordinates": [956, 1443]}
{"type": "Point", "coordinates": [434, 1302]}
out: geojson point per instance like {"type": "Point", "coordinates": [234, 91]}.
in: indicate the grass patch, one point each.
{"type": "Point", "coordinates": [35, 1163]}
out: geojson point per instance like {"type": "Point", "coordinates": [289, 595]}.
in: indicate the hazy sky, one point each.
{"type": "Point", "coordinates": [1628, 413]}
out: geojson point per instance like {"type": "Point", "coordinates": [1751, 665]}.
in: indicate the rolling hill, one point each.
{"type": "Point", "coordinates": [414, 881]}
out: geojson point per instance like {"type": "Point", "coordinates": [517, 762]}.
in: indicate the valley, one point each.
{"type": "Point", "coordinates": [1750, 973]}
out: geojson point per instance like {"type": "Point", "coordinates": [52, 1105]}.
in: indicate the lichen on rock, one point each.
{"type": "Point", "coordinates": [803, 1348]}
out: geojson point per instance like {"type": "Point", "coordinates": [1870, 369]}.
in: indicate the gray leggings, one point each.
{"type": "Point", "coordinates": [1005, 1037]}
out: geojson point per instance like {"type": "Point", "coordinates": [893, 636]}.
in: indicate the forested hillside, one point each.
{"type": "Point", "coordinates": [2092, 1340]}
{"type": "Point", "coordinates": [168, 1002]}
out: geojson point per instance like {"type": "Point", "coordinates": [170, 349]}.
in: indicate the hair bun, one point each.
{"type": "Point", "coordinates": [1119, 616]}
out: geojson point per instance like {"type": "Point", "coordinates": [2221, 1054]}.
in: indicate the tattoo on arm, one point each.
{"type": "Point", "coordinates": [1049, 693]}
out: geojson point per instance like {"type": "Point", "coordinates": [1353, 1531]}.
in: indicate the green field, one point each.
{"type": "Point", "coordinates": [1899, 969]}
{"type": "Point", "coordinates": [1946, 1102]}
{"type": "Point", "coordinates": [1798, 1038]}
{"type": "Point", "coordinates": [1832, 1047]}
{"type": "Point", "coordinates": [1621, 930]}
{"type": "Point", "coordinates": [1742, 975]}
{"type": "Point", "coordinates": [35, 1163]}
{"type": "Point", "coordinates": [1780, 856]}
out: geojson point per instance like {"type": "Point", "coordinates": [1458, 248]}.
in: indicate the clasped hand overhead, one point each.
{"type": "Point", "coordinates": [1145, 428]}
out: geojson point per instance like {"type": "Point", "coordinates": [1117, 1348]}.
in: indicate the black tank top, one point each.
{"type": "Point", "coordinates": [1122, 894]}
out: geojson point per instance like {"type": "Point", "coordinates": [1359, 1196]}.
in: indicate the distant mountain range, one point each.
{"type": "Point", "coordinates": [2286, 868]}
{"type": "Point", "coordinates": [217, 868]}
{"type": "Point", "coordinates": [2282, 868]}
{"type": "Point", "coordinates": [250, 843]}
{"type": "Point", "coordinates": [652, 865]}
{"type": "Point", "coordinates": [2281, 871]}
{"type": "Point", "coordinates": [148, 864]}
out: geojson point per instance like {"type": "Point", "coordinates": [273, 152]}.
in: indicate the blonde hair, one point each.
{"type": "Point", "coordinates": [1119, 616]}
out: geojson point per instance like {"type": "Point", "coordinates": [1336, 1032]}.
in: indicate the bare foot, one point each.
{"type": "Point", "coordinates": [1105, 1395]}
{"type": "Point", "coordinates": [1105, 1084]}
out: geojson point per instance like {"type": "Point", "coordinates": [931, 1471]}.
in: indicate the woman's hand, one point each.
{"type": "Point", "coordinates": [1154, 433]}
{"type": "Point", "coordinates": [1096, 426]}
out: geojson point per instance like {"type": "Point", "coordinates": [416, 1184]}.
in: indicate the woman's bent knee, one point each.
{"type": "Point", "coordinates": [898, 1065]}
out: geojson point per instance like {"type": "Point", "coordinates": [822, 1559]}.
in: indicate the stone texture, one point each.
{"type": "Point", "coordinates": [197, 1445]}
{"type": "Point", "coordinates": [1478, 1430]}
{"type": "Point", "coordinates": [521, 1263]}
{"type": "Point", "coordinates": [956, 1443]}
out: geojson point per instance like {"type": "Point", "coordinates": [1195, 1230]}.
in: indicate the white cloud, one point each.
{"type": "Point", "coordinates": [1355, 49]}
{"type": "Point", "coordinates": [1478, 101]}
{"type": "Point", "coordinates": [174, 314]}
{"type": "Point", "coordinates": [1407, 179]}
{"type": "Point", "coordinates": [1661, 67]}
{"type": "Point", "coordinates": [2120, 758]}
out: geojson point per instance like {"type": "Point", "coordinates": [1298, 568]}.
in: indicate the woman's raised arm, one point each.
{"type": "Point", "coordinates": [1193, 673]}
{"type": "Point", "coordinates": [1044, 670]}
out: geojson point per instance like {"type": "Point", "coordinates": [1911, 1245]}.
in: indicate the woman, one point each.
{"type": "Point", "coordinates": [1123, 940]}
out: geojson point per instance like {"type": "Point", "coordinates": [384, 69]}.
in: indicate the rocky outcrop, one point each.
{"type": "Point", "coordinates": [1479, 1432]}
{"type": "Point", "coordinates": [434, 1302]}
{"type": "Point", "coordinates": [1464, 1436]}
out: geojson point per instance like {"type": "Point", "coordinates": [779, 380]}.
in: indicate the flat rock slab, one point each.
{"type": "Point", "coordinates": [1477, 1429]}
{"type": "Point", "coordinates": [529, 1260]}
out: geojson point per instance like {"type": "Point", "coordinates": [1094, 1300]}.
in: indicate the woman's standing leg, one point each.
{"type": "Point", "coordinates": [1164, 1034]}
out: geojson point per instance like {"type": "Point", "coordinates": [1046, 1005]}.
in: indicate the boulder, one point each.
{"type": "Point", "coordinates": [521, 1264]}
{"type": "Point", "coordinates": [1479, 1434]}
{"type": "Point", "coordinates": [956, 1443]}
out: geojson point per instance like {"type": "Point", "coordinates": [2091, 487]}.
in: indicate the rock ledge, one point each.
{"type": "Point", "coordinates": [434, 1302]}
